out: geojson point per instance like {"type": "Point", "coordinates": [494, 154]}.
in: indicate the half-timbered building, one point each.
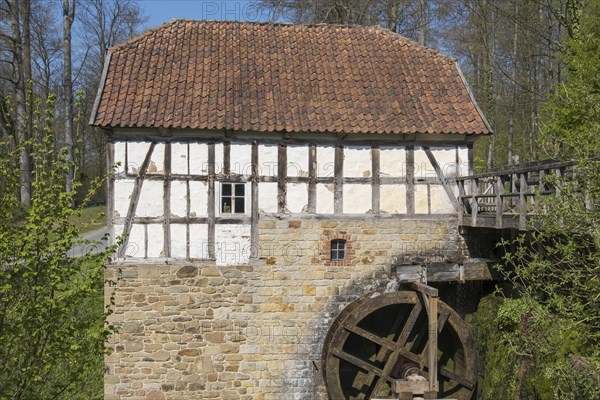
{"type": "Point", "coordinates": [269, 172]}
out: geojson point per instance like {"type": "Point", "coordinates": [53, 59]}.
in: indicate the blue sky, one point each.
{"type": "Point", "coordinates": [161, 11]}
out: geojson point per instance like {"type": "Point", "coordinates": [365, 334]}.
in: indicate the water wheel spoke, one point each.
{"type": "Point", "coordinates": [442, 319]}
{"type": "Point", "coordinates": [410, 323]}
{"type": "Point", "coordinates": [357, 361]}
{"type": "Point", "coordinates": [384, 342]}
{"type": "Point", "coordinates": [468, 383]}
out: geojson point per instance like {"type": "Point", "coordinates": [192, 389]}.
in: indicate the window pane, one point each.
{"type": "Point", "coordinates": [226, 204]}
{"type": "Point", "coordinates": [338, 249]}
{"type": "Point", "coordinates": [226, 189]}
{"type": "Point", "coordinates": [239, 205]}
{"type": "Point", "coordinates": [239, 190]}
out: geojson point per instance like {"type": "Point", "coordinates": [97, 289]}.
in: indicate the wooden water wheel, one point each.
{"type": "Point", "coordinates": [378, 340]}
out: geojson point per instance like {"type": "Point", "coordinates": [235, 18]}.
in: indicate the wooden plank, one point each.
{"type": "Point", "coordinates": [135, 197]}
{"type": "Point", "coordinates": [474, 203]}
{"type": "Point", "coordinates": [254, 205]}
{"type": "Point", "coordinates": [382, 341]}
{"type": "Point", "coordinates": [338, 190]}
{"type": "Point", "coordinates": [145, 241]}
{"type": "Point", "coordinates": [441, 177]}
{"type": "Point", "coordinates": [432, 343]}
{"type": "Point", "coordinates": [410, 180]}
{"type": "Point", "coordinates": [312, 179]}
{"type": "Point", "coordinates": [462, 205]}
{"type": "Point", "coordinates": [100, 87]}
{"type": "Point", "coordinates": [211, 200]}
{"type": "Point", "coordinates": [423, 288]}
{"type": "Point", "coordinates": [282, 179]}
{"type": "Point", "coordinates": [375, 180]}
{"type": "Point", "coordinates": [167, 202]}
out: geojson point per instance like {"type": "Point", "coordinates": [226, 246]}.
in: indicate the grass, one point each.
{"type": "Point", "coordinates": [91, 218]}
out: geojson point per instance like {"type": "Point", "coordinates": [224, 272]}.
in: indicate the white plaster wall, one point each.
{"type": "Point", "coordinates": [198, 199]}
{"type": "Point", "coordinates": [219, 152]}
{"type": "Point", "coordinates": [357, 162]}
{"type": "Point", "coordinates": [392, 162]}
{"type": "Point", "coordinates": [179, 158]}
{"type": "Point", "coordinates": [357, 198]}
{"type": "Point", "coordinates": [421, 205]}
{"type": "Point", "coordinates": [297, 197]}
{"type": "Point", "coordinates": [392, 199]}
{"type": "Point", "coordinates": [123, 189]}
{"type": "Point", "coordinates": [156, 238]}
{"type": "Point", "coordinates": [151, 200]}
{"type": "Point", "coordinates": [241, 159]}
{"type": "Point", "coordinates": [423, 168]}
{"type": "Point", "coordinates": [115, 231]}
{"type": "Point", "coordinates": [119, 156]}
{"type": "Point", "coordinates": [198, 241]}
{"type": "Point", "coordinates": [136, 152]}
{"type": "Point", "coordinates": [267, 197]}
{"type": "Point", "coordinates": [267, 159]}
{"type": "Point", "coordinates": [445, 157]}
{"type": "Point", "coordinates": [440, 202]}
{"type": "Point", "coordinates": [178, 199]}
{"type": "Point", "coordinates": [297, 160]}
{"type": "Point", "coordinates": [324, 199]}
{"type": "Point", "coordinates": [232, 244]}
{"type": "Point", "coordinates": [135, 246]}
{"type": "Point", "coordinates": [463, 160]}
{"type": "Point", "coordinates": [198, 158]}
{"type": "Point", "coordinates": [325, 161]}
{"type": "Point", "coordinates": [178, 240]}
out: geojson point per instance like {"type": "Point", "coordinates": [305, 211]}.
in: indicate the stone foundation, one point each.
{"type": "Point", "coordinates": [194, 330]}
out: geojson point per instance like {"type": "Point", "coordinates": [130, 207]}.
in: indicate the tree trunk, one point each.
{"type": "Point", "coordinates": [421, 22]}
{"type": "Point", "coordinates": [21, 133]}
{"type": "Point", "coordinates": [513, 77]}
{"type": "Point", "coordinates": [68, 16]}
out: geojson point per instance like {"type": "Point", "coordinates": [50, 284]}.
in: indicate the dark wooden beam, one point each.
{"type": "Point", "coordinates": [441, 177]}
{"type": "Point", "coordinates": [135, 198]}
{"type": "Point", "coordinates": [312, 179]}
{"type": "Point", "coordinates": [410, 180]}
{"type": "Point", "coordinates": [338, 191]}
{"type": "Point", "coordinates": [282, 178]}
{"type": "Point", "coordinates": [375, 180]}
{"type": "Point", "coordinates": [167, 201]}
{"type": "Point", "coordinates": [211, 200]}
{"type": "Point", "coordinates": [254, 199]}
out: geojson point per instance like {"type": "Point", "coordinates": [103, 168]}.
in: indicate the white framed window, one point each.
{"type": "Point", "coordinates": [233, 198]}
{"type": "Point", "coordinates": [338, 250]}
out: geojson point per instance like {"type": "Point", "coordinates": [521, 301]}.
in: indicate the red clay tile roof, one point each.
{"type": "Point", "coordinates": [284, 78]}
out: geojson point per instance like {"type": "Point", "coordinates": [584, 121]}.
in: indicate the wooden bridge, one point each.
{"type": "Point", "coordinates": [506, 198]}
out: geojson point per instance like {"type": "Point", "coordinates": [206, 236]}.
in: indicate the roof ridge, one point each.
{"type": "Point", "coordinates": [380, 28]}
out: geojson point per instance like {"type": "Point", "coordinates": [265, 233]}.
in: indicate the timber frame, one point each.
{"type": "Point", "coordinates": [337, 181]}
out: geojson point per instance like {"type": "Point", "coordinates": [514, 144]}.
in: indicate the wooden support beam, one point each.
{"type": "Point", "coordinates": [375, 180]}
{"type": "Point", "coordinates": [282, 179]}
{"type": "Point", "coordinates": [254, 206]}
{"type": "Point", "coordinates": [441, 177]}
{"type": "Point", "coordinates": [188, 207]}
{"type": "Point", "coordinates": [312, 179]}
{"type": "Point", "coordinates": [211, 200]}
{"type": "Point", "coordinates": [135, 197]}
{"type": "Point", "coordinates": [499, 189]}
{"type": "Point", "coordinates": [167, 202]}
{"type": "Point", "coordinates": [522, 201]}
{"type": "Point", "coordinates": [226, 158]}
{"type": "Point", "coordinates": [410, 180]}
{"type": "Point", "coordinates": [338, 191]}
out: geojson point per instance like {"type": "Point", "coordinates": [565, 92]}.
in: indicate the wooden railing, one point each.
{"type": "Point", "coordinates": [506, 198]}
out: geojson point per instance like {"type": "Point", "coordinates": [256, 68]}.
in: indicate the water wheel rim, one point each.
{"type": "Point", "coordinates": [458, 383]}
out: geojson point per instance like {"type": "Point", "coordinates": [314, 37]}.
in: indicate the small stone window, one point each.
{"type": "Point", "coordinates": [233, 198]}
{"type": "Point", "coordinates": [338, 249]}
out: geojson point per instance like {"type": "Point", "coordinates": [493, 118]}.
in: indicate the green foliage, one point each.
{"type": "Point", "coordinates": [52, 320]}
{"type": "Point", "coordinates": [526, 352]}
{"type": "Point", "coordinates": [551, 335]}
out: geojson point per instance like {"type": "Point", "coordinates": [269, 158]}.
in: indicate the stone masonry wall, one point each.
{"type": "Point", "coordinates": [192, 330]}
